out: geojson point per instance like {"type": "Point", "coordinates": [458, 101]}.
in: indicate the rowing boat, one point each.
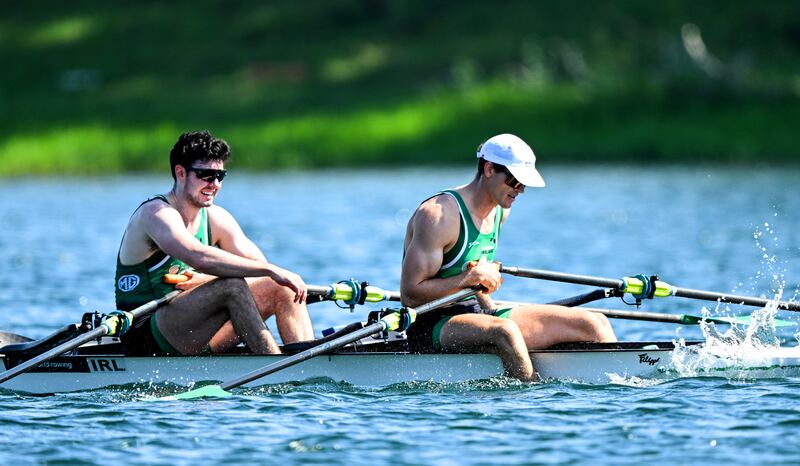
{"type": "Point", "coordinates": [85, 357]}
{"type": "Point", "coordinates": [377, 362]}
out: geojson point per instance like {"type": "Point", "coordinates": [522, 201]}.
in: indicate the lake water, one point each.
{"type": "Point", "coordinates": [727, 230]}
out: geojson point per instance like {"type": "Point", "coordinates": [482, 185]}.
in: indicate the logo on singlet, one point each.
{"type": "Point", "coordinates": [127, 283]}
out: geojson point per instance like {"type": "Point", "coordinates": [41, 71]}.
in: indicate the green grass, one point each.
{"type": "Point", "coordinates": [101, 87]}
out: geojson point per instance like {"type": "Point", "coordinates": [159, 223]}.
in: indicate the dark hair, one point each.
{"type": "Point", "coordinates": [482, 163]}
{"type": "Point", "coordinates": [197, 145]}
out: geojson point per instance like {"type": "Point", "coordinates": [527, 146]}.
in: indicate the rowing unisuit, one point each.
{"type": "Point", "coordinates": [139, 283]}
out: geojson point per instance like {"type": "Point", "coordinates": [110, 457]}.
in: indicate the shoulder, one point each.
{"type": "Point", "coordinates": [223, 224]}
{"type": "Point", "coordinates": [440, 209]}
{"type": "Point", "coordinates": [219, 214]}
{"type": "Point", "coordinates": [155, 208]}
{"type": "Point", "coordinates": [437, 221]}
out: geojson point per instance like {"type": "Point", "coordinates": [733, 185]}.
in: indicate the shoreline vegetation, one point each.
{"type": "Point", "coordinates": [107, 87]}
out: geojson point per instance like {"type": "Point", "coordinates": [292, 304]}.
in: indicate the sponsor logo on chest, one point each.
{"type": "Point", "coordinates": [128, 283]}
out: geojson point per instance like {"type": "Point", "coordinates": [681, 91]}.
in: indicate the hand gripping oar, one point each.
{"type": "Point", "coordinates": [637, 287]}
{"type": "Point", "coordinates": [391, 321]}
{"type": "Point", "coordinates": [110, 326]}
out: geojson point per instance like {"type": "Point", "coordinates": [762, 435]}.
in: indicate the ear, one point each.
{"type": "Point", "coordinates": [489, 170]}
{"type": "Point", "coordinates": [180, 173]}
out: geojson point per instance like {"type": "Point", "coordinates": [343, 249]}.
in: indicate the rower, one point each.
{"type": "Point", "coordinates": [231, 288]}
{"type": "Point", "coordinates": [450, 243]}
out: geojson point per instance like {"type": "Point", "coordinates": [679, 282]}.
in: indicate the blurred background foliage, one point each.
{"type": "Point", "coordinates": [107, 86]}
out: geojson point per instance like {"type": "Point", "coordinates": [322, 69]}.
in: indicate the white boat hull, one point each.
{"type": "Point", "coordinates": [596, 366]}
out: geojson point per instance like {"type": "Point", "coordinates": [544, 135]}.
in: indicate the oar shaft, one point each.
{"type": "Point", "coordinates": [63, 348]}
{"type": "Point", "coordinates": [100, 331]}
{"type": "Point", "coordinates": [563, 277]}
{"type": "Point", "coordinates": [329, 346]}
{"type": "Point", "coordinates": [304, 355]}
{"type": "Point", "coordinates": [618, 314]}
{"type": "Point", "coordinates": [668, 289]}
{"type": "Point", "coordinates": [638, 315]}
{"type": "Point", "coordinates": [730, 298]}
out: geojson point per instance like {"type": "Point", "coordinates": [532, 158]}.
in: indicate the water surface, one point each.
{"type": "Point", "coordinates": [721, 230]}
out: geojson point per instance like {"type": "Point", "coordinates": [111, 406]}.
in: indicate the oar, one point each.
{"type": "Point", "coordinates": [682, 319]}
{"type": "Point", "coordinates": [389, 322]}
{"type": "Point", "coordinates": [342, 291]}
{"type": "Point", "coordinates": [109, 326]}
{"type": "Point", "coordinates": [637, 286]}
{"type": "Point", "coordinates": [345, 292]}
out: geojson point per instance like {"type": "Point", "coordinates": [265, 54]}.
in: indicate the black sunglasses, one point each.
{"type": "Point", "coordinates": [510, 181]}
{"type": "Point", "coordinates": [208, 174]}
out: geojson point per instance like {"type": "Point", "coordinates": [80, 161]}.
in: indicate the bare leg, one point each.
{"type": "Point", "coordinates": [191, 320]}
{"type": "Point", "coordinates": [293, 321]}
{"type": "Point", "coordinates": [474, 330]}
{"type": "Point", "coordinates": [546, 325]}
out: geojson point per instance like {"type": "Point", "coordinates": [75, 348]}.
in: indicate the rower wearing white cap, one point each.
{"type": "Point", "coordinates": [458, 228]}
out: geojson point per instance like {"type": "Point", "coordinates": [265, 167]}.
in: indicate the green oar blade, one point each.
{"type": "Point", "coordinates": [209, 391]}
{"type": "Point", "coordinates": [687, 319]}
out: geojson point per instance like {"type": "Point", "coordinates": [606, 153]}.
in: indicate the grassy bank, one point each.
{"type": "Point", "coordinates": [107, 87]}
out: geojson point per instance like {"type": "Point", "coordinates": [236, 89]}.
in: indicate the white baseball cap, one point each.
{"type": "Point", "coordinates": [513, 153]}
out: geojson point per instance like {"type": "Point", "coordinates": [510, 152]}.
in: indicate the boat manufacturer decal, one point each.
{"type": "Point", "coordinates": [63, 364]}
{"type": "Point", "coordinates": [106, 364]}
{"type": "Point", "coordinates": [128, 283]}
{"type": "Point", "coordinates": [645, 358]}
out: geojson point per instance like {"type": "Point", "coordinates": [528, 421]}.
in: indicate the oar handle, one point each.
{"type": "Point", "coordinates": [337, 343]}
{"type": "Point", "coordinates": [102, 330]}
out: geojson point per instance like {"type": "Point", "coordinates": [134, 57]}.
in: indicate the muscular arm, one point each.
{"type": "Point", "coordinates": [230, 237]}
{"type": "Point", "coordinates": [433, 229]}
{"type": "Point", "coordinates": [165, 227]}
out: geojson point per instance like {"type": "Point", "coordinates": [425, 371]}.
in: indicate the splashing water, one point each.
{"type": "Point", "coordinates": [739, 347]}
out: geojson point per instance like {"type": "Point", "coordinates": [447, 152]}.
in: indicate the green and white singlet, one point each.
{"type": "Point", "coordinates": [139, 283]}
{"type": "Point", "coordinates": [472, 245]}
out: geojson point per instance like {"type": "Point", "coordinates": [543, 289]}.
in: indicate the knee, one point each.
{"type": "Point", "coordinates": [266, 288]}
{"type": "Point", "coordinates": [597, 327]}
{"type": "Point", "coordinates": [233, 286]}
{"type": "Point", "coordinates": [506, 333]}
